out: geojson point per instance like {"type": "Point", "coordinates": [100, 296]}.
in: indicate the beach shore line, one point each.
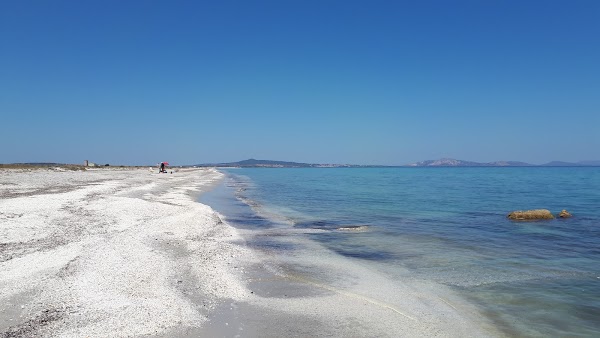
{"type": "Point", "coordinates": [130, 252]}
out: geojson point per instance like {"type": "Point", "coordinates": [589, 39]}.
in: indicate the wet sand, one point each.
{"type": "Point", "coordinates": [129, 252]}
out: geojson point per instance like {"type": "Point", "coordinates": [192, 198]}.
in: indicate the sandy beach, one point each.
{"type": "Point", "coordinates": [130, 253]}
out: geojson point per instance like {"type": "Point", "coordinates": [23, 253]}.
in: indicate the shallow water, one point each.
{"type": "Point", "coordinates": [446, 225]}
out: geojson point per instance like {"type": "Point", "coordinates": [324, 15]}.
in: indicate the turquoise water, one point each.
{"type": "Point", "coordinates": [449, 225]}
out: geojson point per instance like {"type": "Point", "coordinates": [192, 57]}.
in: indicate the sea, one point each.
{"type": "Point", "coordinates": [446, 225]}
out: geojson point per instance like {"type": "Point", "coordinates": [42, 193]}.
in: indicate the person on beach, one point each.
{"type": "Point", "coordinates": [162, 167]}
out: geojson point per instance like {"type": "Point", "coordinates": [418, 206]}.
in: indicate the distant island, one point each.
{"type": "Point", "coordinates": [444, 162]}
{"type": "Point", "coordinates": [252, 163]}
{"type": "Point", "coordinates": [449, 162]}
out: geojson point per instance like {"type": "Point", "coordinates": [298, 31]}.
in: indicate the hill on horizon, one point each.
{"type": "Point", "coordinates": [443, 162]}
{"type": "Point", "coordinates": [450, 162]}
{"type": "Point", "coordinates": [251, 163]}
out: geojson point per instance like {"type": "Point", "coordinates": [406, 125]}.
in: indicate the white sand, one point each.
{"type": "Point", "coordinates": [123, 253]}
{"type": "Point", "coordinates": [110, 252]}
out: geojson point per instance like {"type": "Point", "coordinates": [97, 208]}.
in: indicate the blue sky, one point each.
{"type": "Point", "coordinates": [364, 82]}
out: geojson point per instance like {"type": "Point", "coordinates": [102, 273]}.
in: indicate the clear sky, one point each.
{"type": "Point", "coordinates": [362, 82]}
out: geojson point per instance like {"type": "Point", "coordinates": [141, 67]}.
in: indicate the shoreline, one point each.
{"type": "Point", "coordinates": [296, 272]}
{"type": "Point", "coordinates": [132, 252]}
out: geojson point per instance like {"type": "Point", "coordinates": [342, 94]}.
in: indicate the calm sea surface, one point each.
{"type": "Point", "coordinates": [449, 225]}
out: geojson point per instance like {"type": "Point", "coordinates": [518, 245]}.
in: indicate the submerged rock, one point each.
{"type": "Point", "coordinates": [564, 214]}
{"type": "Point", "coordinates": [354, 228]}
{"type": "Point", "coordinates": [530, 215]}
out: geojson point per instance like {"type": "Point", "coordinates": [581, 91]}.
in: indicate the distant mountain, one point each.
{"type": "Point", "coordinates": [449, 162]}
{"type": "Point", "coordinates": [509, 164]}
{"type": "Point", "coordinates": [561, 164]}
{"type": "Point", "coordinates": [253, 163]}
{"type": "Point", "coordinates": [268, 163]}
{"type": "Point", "coordinates": [444, 162]}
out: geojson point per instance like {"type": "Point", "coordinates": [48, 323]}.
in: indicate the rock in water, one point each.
{"type": "Point", "coordinates": [357, 228]}
{"type": "Point", "coordinates": [564, 214]}
{"type": "Point", "coordinates": [530, 215]}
